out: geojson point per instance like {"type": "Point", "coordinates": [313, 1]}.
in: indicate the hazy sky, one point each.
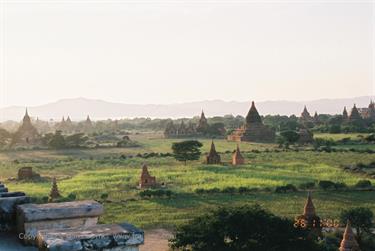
{"type": "Point", "coordinates": [175, 51]}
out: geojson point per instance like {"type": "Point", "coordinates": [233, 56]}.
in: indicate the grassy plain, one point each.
{"type": "Point", "coordinates": [91, 173]}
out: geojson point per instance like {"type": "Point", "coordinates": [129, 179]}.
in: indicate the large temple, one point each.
{"type": "Point", "coordinates": [355, 115]}
{"type": "Point", "coordinates": [368, 112]}
{"type": "Point", "coordinates": [306, 117]}
{"type": "Point", "coordinates": [66, 126]}
{"type": "Point", "coordinates": [254, 130]}
{"type": "Point", "coordinates": [202, 124]}
{"type": "Point", "coordinates": [26, 135]}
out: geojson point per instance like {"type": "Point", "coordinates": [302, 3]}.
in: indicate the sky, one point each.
{"type": "Point", "coordinates": [167, 51]}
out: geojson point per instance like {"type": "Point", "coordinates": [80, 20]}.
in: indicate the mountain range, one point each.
{"type": "Point", "coordinates": [79, 108]}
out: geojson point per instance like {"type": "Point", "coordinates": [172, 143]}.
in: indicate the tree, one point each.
{"type": "Point", "coordinates": [76, 140]}
{"type": "Point", "coordinates": [57, 140]}
{"type": "Point", "coordinates": [5, 137]}
{"type": "Point", "coordinates": [187, 150]}
{"type": "Point", "coordinates": [360, 219]}
{"type": "Point", "coordinates": [287, 138]}
{"type": "Point", "coordinates": [241, 229]}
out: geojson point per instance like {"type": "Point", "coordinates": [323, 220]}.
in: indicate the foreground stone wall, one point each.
{"type": "Point", "coordinates": [113, 237]}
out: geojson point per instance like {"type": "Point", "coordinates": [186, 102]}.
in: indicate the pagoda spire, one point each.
{"type": "Point", "coordinates": [349, 242]}
{"type": "Point", "coordinates": [54, 194]}
{"type": "Point", "coordinates": [345, 114]}
{"type": "Point", "coordinates": [354, 115]}
{"type": "Point", "coordinates": [309, 209]}
{"type": "Point", "coordinates": [253, 115]}
{"type": "Point", "coordinates": [213, 148]}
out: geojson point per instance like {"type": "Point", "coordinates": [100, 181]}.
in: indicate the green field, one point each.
{"type": "Point", "coordinates": [91, 173]}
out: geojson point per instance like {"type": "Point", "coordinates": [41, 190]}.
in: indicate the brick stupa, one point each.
{"type": "Point", "coordinates": [213, 157]}
{"type": "Point", "coordinates": [349, 242]}
{"type": "Point", "coordinates": [237, 158]}
{"type": "Point", "coordinates": [146, 180]}
{"type": "Point", "coordinates": [311, 219]}
{"type": "Point", "coordinates": [54, 194]}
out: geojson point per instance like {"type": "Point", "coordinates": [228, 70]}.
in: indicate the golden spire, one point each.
{"type": "Point", "coordinates": [349, 242]}
{"type": "Point", "coordinates": [309, 209]}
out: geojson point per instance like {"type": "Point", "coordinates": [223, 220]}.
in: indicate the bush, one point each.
{"type": "Point", "coordinates": [285, 189]}
{"type": "Point", "coordinates": [340, 186]}
{"type": "Point", "coordinates": [104, 196]}
{"type": "Point", "coordinates": [363, 184]}
{"type": "Point", "coordinates": [230, 190]}
{"type": "Point", "coordinates": [326, 184]}
{"type": "Point", "coordinates": [243, 190]}
{"type": "Point", "coordinates": [72, 196]}
{"type": "Point", "coordinates": [155, 193]}
{"type": "Point", "coordinates": [307, 185]}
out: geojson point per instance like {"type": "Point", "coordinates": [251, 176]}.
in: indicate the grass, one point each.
{"type": "Point", "coordinates": [91, 173]}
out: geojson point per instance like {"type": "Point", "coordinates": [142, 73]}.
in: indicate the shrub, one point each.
{"type": "Point", "coordinates": [286, 188]}
{"type": "Point", "coordinates": [72, 196]}
{"type": "Point", "coordinates": [340, 185]}
{"type": "Point", "coordinates": [326, 184]}
{"type": "Point", "coordinates": [200, 191]}
{"type": "Point", "coordinates": [213, 190]}
{"type": "Point", "coordinates": [243, 190]}
{"type": "Point", "coordinates": [155, 193]}
{"type": "Point", "coordinates": [230, 190]}
{"type": "Point", "coordinates": [363, 184]}
{"type": "Point", "coordinates": [307, 185]}
{"type": "Point", "coordinates": [104, 196]}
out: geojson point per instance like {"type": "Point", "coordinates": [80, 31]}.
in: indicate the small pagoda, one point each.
{"type": "Point", "coordinates": [213, 157]}
{"type": "Point", "coordinates": [237, 158]}
{"type": "Point", "coordinates": [310, 219]}
{"type": "Point", "coordinates": [146, 180]}
{"type": "Point", "coordinates": [54, 193]}
{"type": "Point", "coordinates": [349, 242]}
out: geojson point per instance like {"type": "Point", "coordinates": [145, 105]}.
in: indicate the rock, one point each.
{"type": "Point", "coordinates": [113, 237]}
{"type": "Point", "coordinates": [64, 210]}
{"type": "Point", "coordinates": [8, 211]}
{"type": "Point", "coordinates": [26, 173]}
{"type": "Point", "coordinates": [3, 190]}
{"type": "Point", "coordinates": [33, 217]}
{"type": "Point", "coordinates": [12, 194]}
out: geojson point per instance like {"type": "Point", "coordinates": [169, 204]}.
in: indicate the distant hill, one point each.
{"type": "Point", "coordinates": [79, 108]}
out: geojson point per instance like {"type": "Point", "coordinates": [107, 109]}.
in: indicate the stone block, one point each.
{"type": "Point", "coordinates": [12, 194]}
{"type": "Point", "coordinates": [111, 237]}
{"type": "Point", "coordinates": [8, 211]}
{"type": "Point", "coordinates": [34, 217]}
{"type": "Point", "coordinates": [3, 190]}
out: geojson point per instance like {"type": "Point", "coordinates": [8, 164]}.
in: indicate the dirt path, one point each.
{"type": "Point", "coordinates": [156, 240]}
